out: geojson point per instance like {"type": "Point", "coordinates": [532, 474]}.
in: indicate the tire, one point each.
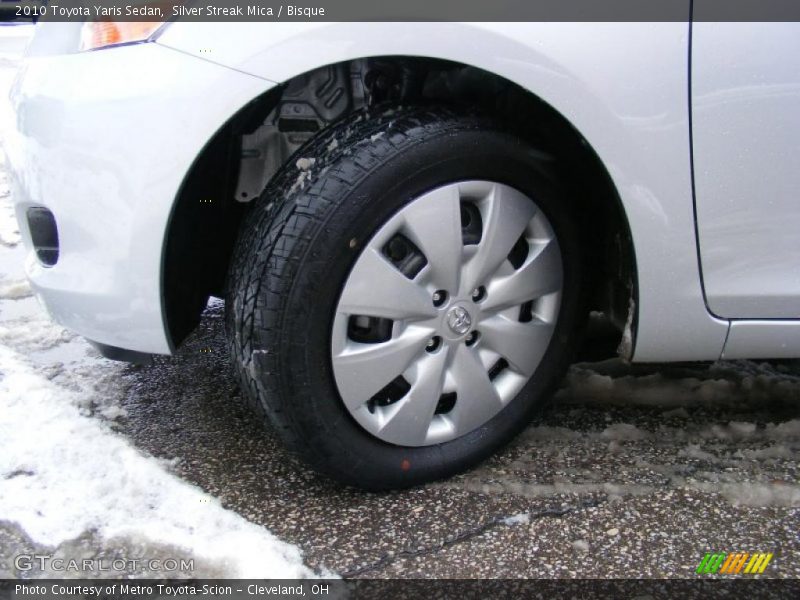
{"type": "Point", "coordinates": [304, 238]}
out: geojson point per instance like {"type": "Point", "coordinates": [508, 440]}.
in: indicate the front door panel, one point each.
{"type": "Point", "coordinates": [746, 139]}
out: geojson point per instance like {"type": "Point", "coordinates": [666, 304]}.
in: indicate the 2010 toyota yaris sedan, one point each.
{"type": "Point", "coordinates": [410, 223]}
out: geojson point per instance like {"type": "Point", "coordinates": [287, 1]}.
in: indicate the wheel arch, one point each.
{"type": "Point", "coordinates": [193, 269]}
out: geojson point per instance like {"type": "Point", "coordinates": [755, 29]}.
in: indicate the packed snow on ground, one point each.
{"type": "Point", "coordinates": [727, 421]}
{"type": "Point", "coordinates": [9, 231]}
{"type": "Point", "coordinates": [67, 474]}
{"type": "Point", "coordinates": [518, 519]}
{"type": "Point", "coordinates": [723, 383]}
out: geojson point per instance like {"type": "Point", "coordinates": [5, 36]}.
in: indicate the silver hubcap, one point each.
{"type": "Point", "coordinates": [446, 313]}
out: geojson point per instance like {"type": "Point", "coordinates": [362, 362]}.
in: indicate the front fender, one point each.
{"type": "Point", "coordinates": [623, 86]}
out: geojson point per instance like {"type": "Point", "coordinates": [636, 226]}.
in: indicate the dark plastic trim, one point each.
{"type": "Point", "coordinates": [114, 353]}
{"type": "Point", "coordinates": [44, 234]}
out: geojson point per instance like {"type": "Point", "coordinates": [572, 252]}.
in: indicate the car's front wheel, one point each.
{"type": "Point", "coordinates": [405, 295]}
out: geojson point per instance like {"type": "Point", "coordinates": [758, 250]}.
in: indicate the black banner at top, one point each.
{"type": "Point", "coordinates": [402, 10]}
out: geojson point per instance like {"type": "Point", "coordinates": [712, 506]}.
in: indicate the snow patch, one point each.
{"type": "Point", "coordinates": [79, 476]}
{"type": "Point", "coordinates": [581, 545]}
{"type": "Point", "coordinates": [753, 494]}
{"type": "Point", "coordinates": [778, 451]}
{"type": "Point", "coordinates": [624, 432]}
{"type": "Point", "coordinates": [625, 348]}
{"type": "Point", "coordinates": [735, 430]}
{"type": "Point", "coordinates": [545, 433]}
{"type": "Point", "coordinates": [584, 384]}
{"type": "Point", "coordinates": [113, 412]}
{"type": "Point", "coordinates": [785, 430]}
{"type": "Point", "coordinates": [304, 164]}
{"type": "Point", "coordinates": [725, 383]}
{"type": "Point", "coordinates": [33, 334]}
{"type": "Point", "coordinates": [520, 519]}
{"type": "Point", "coordinates": [298, 183]}
{"type": "Point", "coordinates": [741, 429]}
{"type": "Point", "coordinates": [9, 228]}
{"type": "Point", "coordinates": [15, 290]}
{"type": "Point", "coordinates": [694, 451]}
{"type": "Point", "coordinates": [677, 413]}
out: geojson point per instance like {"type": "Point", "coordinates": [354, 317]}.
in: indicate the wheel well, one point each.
{"type": "Point", "coordinates": [246, 152]}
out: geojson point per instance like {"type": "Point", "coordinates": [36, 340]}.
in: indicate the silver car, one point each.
{"type": "Point", "coordinates": [410, 224]}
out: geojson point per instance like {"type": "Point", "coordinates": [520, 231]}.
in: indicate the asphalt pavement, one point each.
{"type": "Point", "coordinates": [634, 472]}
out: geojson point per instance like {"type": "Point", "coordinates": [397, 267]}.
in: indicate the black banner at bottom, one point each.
{"type": "Point", "coordinates": [314, 589]}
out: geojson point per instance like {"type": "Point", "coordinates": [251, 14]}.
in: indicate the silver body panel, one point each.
{"type": "Point", "coordinates": [746, 132]}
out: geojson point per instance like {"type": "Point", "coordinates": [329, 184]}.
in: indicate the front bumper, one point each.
{"type": "Point", "coordinates": [104, 140]}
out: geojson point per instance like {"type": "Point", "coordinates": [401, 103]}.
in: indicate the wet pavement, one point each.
{"type": "Point", "coordinates": [636, 471]}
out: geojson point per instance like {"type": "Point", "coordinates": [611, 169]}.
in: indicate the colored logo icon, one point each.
{"type": "Point", "coordinates": [736, 563]}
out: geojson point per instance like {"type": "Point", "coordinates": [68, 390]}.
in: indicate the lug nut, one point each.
{"type": "Point", "coordinates": [479, 294]}
{"type": "Point", "coordinates": [439, 298]}
{"type": "Point", "coordinates": [472, 338]}
{"type": "Point", "coordinates": [433, 344]}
